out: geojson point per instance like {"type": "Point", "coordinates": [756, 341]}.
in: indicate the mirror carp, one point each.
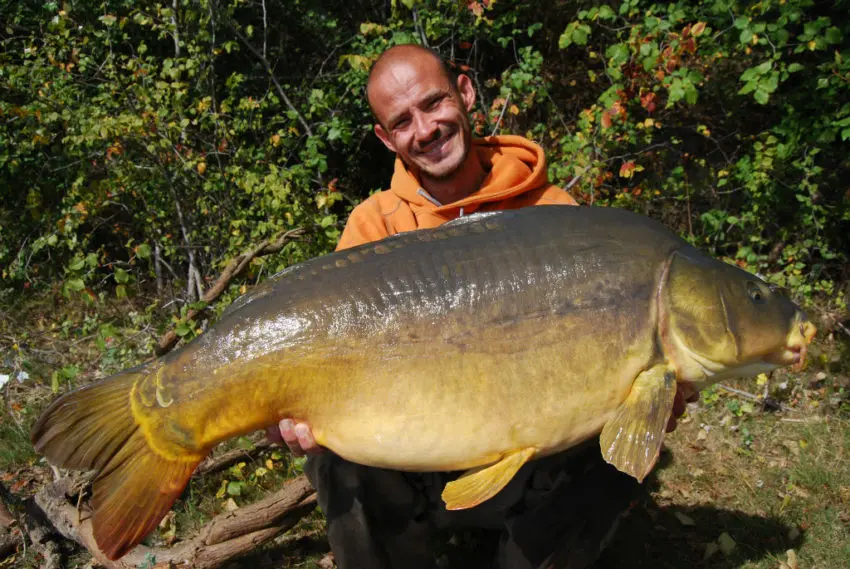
{"type": "Point", "coordinates": [481, 344]}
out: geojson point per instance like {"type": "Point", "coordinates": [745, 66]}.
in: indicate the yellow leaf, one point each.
{"type": "Point", "coordinates": [514, 110]}
{"type": "Point", "coordinates": [202, 167]}
{"type": "Point", "coordinates": [761, 379]}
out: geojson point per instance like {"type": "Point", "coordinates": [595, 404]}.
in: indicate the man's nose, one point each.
{"type": "Point", "coordinates": [424, 127]}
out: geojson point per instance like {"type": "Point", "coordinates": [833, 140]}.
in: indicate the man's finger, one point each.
{"type": "Point", "coordinates": [306, 440]}
{"type": "Point", "coordinates": [290, 437]}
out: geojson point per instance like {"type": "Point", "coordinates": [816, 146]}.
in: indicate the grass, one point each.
{"type": "Point", "coordinates": [770, 482]}
{"type": "Point", "coordinates": [15, 446]}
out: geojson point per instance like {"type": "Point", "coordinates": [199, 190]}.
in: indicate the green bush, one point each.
{"type": "Point", "coordinates": [147, 143]}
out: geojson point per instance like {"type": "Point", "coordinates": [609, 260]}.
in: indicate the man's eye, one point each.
{"type": "Point", "coordinates": [434, 103]}
{"type": "Point", "coordinates": [401, 125]}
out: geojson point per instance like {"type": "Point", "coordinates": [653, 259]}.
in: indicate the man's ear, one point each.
{"type": "Point", "coordinates": [466, 90]}
{"type": "Point", "coordinates": [382, 134]}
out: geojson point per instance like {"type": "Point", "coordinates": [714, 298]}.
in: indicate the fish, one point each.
{"type": "Point", "coordinates": [477, 346]}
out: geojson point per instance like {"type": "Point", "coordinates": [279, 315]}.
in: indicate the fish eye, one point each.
{"type": "Point", "coordinates": [755, 293]}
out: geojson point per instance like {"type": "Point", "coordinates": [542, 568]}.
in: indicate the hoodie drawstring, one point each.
{"type": "Point", "coordinates": [428, 197]}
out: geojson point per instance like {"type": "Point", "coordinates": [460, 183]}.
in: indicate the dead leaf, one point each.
{"type": "Point", "coordinates": [168, 528]}
{"type": "Point", "coordinates": [684, 520]}
{"type": "Point", "coordinates": [790, 561]}
{"type": "Point", "coordinates": [726, 543]}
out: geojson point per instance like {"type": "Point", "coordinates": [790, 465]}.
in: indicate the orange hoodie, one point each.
{"type": "Point", "coordinates": [516, 178]}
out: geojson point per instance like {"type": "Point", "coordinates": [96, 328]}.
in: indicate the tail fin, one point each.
{"type": "Point", "coordinates": [94, 428]}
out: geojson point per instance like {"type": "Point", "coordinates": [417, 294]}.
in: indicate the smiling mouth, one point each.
{"type": "Point", "coordinates": [435, 148]}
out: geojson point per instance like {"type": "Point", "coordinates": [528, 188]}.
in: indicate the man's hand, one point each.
{"type": "Point", "coordinates": [679, 406]}
{"type": "Point", "coordinates": [297, 436]}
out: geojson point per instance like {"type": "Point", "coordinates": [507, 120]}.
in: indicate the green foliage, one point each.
{"type": "Point", "coordinates": [144, 146]}
{"type": "Point", "coordinates": [726, 119]}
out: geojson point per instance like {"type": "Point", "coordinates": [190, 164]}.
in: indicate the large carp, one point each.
{"type": "Point", "coordinates": [481, 344]}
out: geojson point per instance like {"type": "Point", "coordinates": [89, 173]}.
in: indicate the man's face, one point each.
{"type": "Point", "coordinates": [422, 117]}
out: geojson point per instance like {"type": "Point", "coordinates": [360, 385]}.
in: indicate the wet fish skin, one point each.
{"type": "Point", "coordinates": [483, 343]}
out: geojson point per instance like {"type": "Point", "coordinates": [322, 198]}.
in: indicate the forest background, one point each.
{"type": "Point", "coordinates": [159, 159]}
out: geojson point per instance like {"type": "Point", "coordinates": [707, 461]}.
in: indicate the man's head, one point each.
{"type": "Point", "coordinates": [421, 110]}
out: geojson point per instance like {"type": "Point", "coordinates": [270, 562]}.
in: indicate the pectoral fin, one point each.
{"type": "Point", "coordinates": [631, 440]}
{"type": "Point", "coordinates": [479, 485]}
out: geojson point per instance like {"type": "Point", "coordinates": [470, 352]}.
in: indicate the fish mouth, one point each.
{"type": "Point", "coordinates": [797, 346]}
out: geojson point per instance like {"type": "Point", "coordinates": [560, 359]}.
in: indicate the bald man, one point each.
{"type": "Point", "coordinates": [557, 512]}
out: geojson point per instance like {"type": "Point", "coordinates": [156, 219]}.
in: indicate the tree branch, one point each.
{"type": "Point", "coordinates": [225, 459]}
{"type": "Point", "coordinates": [226, 536]}
{"type": "Point", "coordinates": [234, 267]}
{"type": "Point", "coordinates": [274, 80]}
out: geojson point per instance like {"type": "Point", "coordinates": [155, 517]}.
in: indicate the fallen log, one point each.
{"type": "Point", "coordinates": [225, 537]}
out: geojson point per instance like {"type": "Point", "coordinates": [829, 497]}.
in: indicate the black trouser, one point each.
{"type": "Point", "coordinates": [558, 512]}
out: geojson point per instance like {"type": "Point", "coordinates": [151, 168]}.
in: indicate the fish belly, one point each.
{"type": "Point", "coordinates": [409, 410]}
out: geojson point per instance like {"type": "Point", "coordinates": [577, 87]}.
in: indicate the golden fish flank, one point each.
{"type": "Point", "coordinates": [565, 322]}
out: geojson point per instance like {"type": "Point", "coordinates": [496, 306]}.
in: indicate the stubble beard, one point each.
{"type": "Point", "coordinates": [441, 173]}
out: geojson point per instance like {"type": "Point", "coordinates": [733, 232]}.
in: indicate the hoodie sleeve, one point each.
{"type": "Point", "coordinates": [554, 195]}
{"type": "Point", "coordinates": [365, 224]}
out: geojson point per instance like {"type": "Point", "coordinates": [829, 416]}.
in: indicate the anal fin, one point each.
{"type": "Point", "coordinates": [631, 440]}
{"type": "Point", "coordinates": [479, 485]}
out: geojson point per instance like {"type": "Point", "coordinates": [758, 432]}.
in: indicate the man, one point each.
{"type": "Point", "coordinates": [557, 511]}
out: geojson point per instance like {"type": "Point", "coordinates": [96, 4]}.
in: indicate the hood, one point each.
{"type": "Point", "coordinates": [514, 165]}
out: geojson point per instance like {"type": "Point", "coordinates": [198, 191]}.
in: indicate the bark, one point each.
{"type": "Point", "coordinates": [225, 459]}
{"type": "Point", "coordinates": [10, 536]}
{"type": "Point", "coordinates": [225, 537]}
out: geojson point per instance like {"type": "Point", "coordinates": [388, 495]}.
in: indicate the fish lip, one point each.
{"type": "Point", "coordinates": [797, 348]}
{"type": "Point", "coordinates": [793, 355]}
